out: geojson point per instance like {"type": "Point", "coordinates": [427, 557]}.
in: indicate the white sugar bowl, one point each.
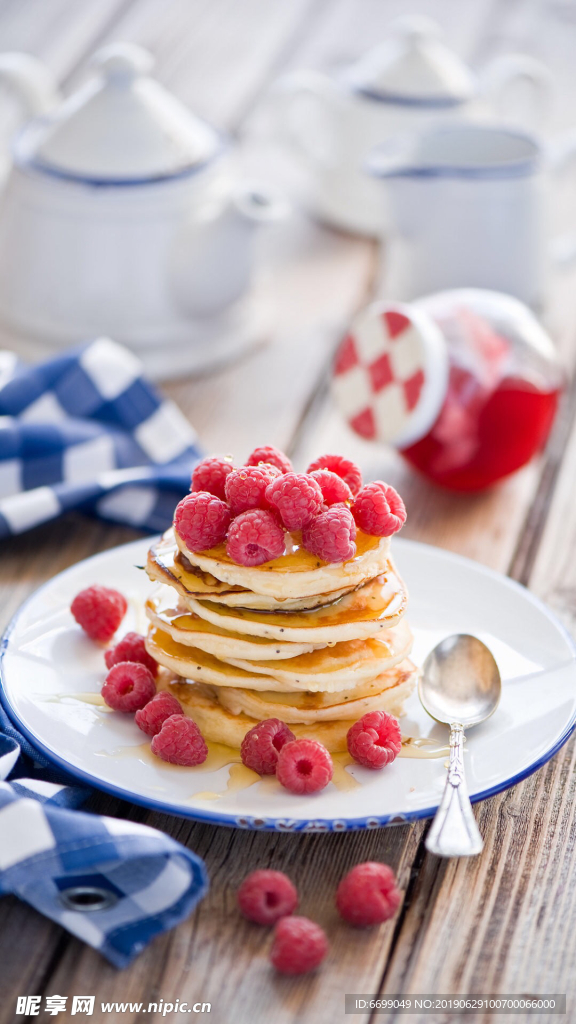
{"type": "Point", "coordinates": [411, 81]}
{"type": "Point", "coordinates": [122, 216]}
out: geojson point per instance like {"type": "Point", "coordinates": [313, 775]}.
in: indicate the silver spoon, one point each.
{"type": "Point", "coordinates": [460, 686]}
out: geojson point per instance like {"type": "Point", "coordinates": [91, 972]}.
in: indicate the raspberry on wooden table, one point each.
{"type": "Point", "coordinates": [348, 470]}
{"type": "Point", "coordinates": [304, 766]}
{"type": "Point", "coordinates": [152, 716]}
{"type": "Point", "coordinates": [331, 535]}
{"type": "Point", "coordinates": [255, 537]}
{"type": "Point", "coordinates": [201, 520]}
{"type": "Point", "coordinates": [334, 488]}
{"type": "Point", "coordinates": [99, 610]}
{"type": "Point", "coordinates": [262, 743]}
{"type": "Point", "coordinates": [296, 497]}
{"type": "Point", "coordinates": [379, 510]}
{"type": "Point", "coordinates": [299, 945]}
{"type": "Point", "coordinates": [266, 896]}
{"type": "Point", "coordinates": [268, 453]}
{"type": "Point", "coordinates": [375, 740]}
{"type": "Point", "coordinates": [210, 474]}
{"type": "Point", "coordinates": [128, 686]}
{"type": "Point", "coordinates": [245, 487]}
{"type": "Point", "coordinates": [367, 895]}
{"type": "Point", "coordinates": [131, 647]}
{"type": "Point", "coordinates": [180, 742]}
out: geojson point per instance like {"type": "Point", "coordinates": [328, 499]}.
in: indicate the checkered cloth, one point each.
{"type": "Point", "coordinates": [87, 431]}
{"type": "Point", "coordinates": [52, 857]}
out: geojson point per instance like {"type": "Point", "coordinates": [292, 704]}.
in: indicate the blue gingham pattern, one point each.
{"type": "Point", "coordinates": [150, 881]}
{"type": "Point", "coordinates": [86, 430]}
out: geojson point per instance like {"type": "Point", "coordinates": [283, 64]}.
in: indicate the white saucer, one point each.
{"type": "Point", "coordinates": [45, 660]}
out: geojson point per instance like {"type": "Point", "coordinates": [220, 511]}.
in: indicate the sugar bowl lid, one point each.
{"type": "Point", "coordinates": [413, 65]}
{"type": "Point", "coordinates": [391, 373]}
{"type": "Point", "coordinates": [121, 126]}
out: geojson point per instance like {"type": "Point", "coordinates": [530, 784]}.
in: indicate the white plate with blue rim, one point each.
{"type": "Point", "coordinates": [51, 676]}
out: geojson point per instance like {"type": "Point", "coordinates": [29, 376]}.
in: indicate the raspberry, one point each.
{"type": "Point", "coordinates": [131, 648]}
{"type": "Point", "coordinates": [210, 474]}
{"type": "Point", "coordinates": [201, 520]}
{"type": "Point", "coordinates": [334, 488]}
{"type": "Point", "coordinates": [180, 742]}
{"type": "Point", "coordinates": [245, 487]}
{"type": "Point", "coordinates": [297, 498]}
{"type": "Point", "coordinates": [260, 746]}
{"type": "Point", "coordinates": [266, 896]}
{"type": "Point", "coordinates": [368, 895]}
{"type": "Point", "coordinates": [299, 945]}
{"type": "Point", "coordinates": [128, 686]}
{"type": "Point", "coordinates": [331, 536]}
{"type": "Point", "coordinates": [375, 740]}
{"type": "Point", "coordinates": [255, 537]}
{"type": "Point", "coordinates": [349, 471]}
{"type": "Point", "coordinates": [99, 610]}
{"type": "Point", "coordinates": [304, 766]}
{"type": "Point", "coordinates": [151, 718]}
{"type": "Point", "coordinates": [268, 453]}
{"type": "Point", "coordinates": [378, 509]}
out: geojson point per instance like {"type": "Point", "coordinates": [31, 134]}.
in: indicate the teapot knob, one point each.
{"type": "Point", "coordinates": [123, 62]}
{"type": "Point", "coordinates": [416, 27]}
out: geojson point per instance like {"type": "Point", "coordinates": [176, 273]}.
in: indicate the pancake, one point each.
{"type": "Point", "coordinates": [325, 670]}
{"type": "Point", "coordinates": [365, 612]}
{"type": "Point", "coordinates": [166, 564]}
{"type": "Point", "coordinates": [220, 725]}
{"type": "Point", "coordinates": [189, 629]}
{"type": "Point", "coordinates": [297, 574]}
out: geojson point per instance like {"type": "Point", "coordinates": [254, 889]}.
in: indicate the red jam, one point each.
{"type": "Point", "coordinates": [482, 436]}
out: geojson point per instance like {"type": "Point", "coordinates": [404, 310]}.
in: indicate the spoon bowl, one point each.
{"type": "Point", "coordinates": [460, 681]}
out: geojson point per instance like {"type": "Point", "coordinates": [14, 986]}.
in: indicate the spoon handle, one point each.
{"type": "Point", "coordinates": [454, 832]}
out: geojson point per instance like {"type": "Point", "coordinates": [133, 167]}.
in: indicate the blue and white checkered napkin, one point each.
{"type": "Point", "coordinates": [58, 859]}
{"type": "Point", "coordinates": [86, 430]}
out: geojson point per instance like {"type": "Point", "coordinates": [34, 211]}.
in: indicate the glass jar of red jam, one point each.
{"type": "Point", "coordinates": [465, 384]}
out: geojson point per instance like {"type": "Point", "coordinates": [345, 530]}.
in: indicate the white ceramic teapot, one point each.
{"type": "Point", "coordinates": [408, 83]}
{"type": "Point", "coordinates": [121, 216]}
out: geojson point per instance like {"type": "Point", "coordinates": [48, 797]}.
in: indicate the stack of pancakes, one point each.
{"type": "Point", "coordinates": [316, 645]}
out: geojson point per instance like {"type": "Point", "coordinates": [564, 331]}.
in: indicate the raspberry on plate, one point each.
{"type": "Point", "coordinates": [331, 535]}
{"type": "Point", "coordinates": [210, 474]}
{"type": "Point", "coordinates": [296, 497]}
{"type": "Point", "coordinates": [334, 488]}
{"type": "Point", "coordinates": [299, 945]}
{"type": "Point", "coordinates": [379, 510]}
{"type": "Point", "coordinates": [180, 742]}
{"type": "Point", "coordinates": [152, 716]}
{"type": "Point", "coordinates": [131, 647]}
{"type": "Point", "coordinates": [99, 610]}
{"type": "Point", "coordinates": [255, 537]}
{"type": "Point", "coordinates": [262, 743]}
{"type": "Point", "coordinates": [266, 896]}
{"type": "Point", "coordinates": [348, 470]}
{"type": "Point", "coordinates": [367, 895]}
{"type": "Point", "coordinates": [201, 520]}
{"type": "Point", "coordinates": [245, 487]}
{"type": "Point", "coordinates": [304, 766]}
{"type": "Point", "coordinates": [128, 686]}
{"type": "Point", "coordinates": [268, 453]}
{"type": "Point", "coordinates": [375, 740]}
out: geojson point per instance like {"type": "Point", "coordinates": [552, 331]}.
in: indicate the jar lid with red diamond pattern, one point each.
{"type": "Point", "coordinates": [391, 373]}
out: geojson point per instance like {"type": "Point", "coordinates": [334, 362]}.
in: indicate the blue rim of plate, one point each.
{"type": "Point", "coordinates": [287, 824]}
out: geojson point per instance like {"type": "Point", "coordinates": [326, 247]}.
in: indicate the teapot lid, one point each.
{"type": "Point", "coordinates": [121, 126]}
{"type": "Point", "coordinates": [391, 373]}
{"type": "Point", "coordinates": [414, 65]}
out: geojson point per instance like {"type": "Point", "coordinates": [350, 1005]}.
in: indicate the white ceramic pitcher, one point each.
{"type": "Point", "coordinates": [407, 84]}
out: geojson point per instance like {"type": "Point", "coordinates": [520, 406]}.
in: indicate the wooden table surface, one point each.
{"type": "Point", "coordinates": [504, 922]}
